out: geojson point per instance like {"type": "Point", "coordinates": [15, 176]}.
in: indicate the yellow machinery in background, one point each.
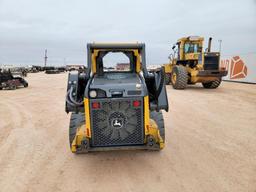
{"type": "Point", "coordinates": [189, 64]}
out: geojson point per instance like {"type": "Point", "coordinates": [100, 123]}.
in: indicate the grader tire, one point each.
{"type": "Point", "coordinates": [76, 120]}
{"type": "Point", "coordinates": [212, 84]}
{"type": "Point", "coordinates": [179, 77]}
{"type": "Point", "coordinates": [158, 118]}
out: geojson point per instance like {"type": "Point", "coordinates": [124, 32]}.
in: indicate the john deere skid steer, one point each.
{"type": "Point", "coordinates": [119, 108]}
{"type": "Point", "coordinates": [192, 65]}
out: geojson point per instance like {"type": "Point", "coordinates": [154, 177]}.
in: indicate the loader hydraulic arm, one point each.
{"type": "Point", "coordinates": [77, 82]}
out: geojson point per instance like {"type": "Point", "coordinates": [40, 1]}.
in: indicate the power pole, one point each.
{"type": "Point", "coordinates": [45, 57]}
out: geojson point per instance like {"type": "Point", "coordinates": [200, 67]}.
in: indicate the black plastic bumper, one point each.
{"type": "Point", "coordinates": [212, 73]}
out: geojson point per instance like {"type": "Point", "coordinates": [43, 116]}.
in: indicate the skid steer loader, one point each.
{"type": "Point", "coordinates": [192, 65]}
{"type": "Point", "coordinates": [116, 109]}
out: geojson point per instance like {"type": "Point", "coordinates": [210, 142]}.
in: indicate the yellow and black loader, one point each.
{"type": "Point", "coordinates": [116, 110]}
{"type": "Point", "coordinates": [190, 64]}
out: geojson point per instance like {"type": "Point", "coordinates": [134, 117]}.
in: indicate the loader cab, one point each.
{"type": "Point", "coordinates": [189, 48]}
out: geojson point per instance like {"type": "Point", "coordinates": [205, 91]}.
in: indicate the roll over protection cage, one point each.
{"type": "Point", "coordinates": [139, 46]}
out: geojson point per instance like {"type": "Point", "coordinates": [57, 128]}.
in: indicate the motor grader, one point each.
{"type": "Point", "coordinates": [116, 109]}
{"type": "Point", "coordinates": [189, 64]}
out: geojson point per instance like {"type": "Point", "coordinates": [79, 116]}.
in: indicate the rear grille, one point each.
{"type": "Point", "coordinates": [117, 122]}
{"type": "Point", "coordinates": [211, 61]}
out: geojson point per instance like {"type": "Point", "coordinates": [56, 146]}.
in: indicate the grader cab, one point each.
{"type": "Point", "coordinates": [190, 64]}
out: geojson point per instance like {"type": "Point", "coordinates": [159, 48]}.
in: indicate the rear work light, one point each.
{"type": "Point", "coordinates": [136, 103]}
{"type": "Point", "coordinates": [95, 105]}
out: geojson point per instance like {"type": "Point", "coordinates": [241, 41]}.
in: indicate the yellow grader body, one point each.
{"type": "Point", "coordinates": [189, 64]}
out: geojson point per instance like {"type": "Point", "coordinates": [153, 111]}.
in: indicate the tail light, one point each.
{"type": "Point", "coordinates": [95, 105]}
{"type": "Point", "coordinates": [136, 103]}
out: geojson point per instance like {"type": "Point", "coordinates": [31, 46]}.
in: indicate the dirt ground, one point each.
{"type": "Point", "coordinates": [210, 144]}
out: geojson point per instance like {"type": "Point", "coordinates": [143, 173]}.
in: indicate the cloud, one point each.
{"type": "Point", "coordinates": [28, 27]}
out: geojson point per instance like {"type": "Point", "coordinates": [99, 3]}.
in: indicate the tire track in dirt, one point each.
{"type": "Point", "coordinates": [17, 145]}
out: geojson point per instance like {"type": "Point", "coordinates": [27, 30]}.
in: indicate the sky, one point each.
{"type": "Point", "coordinates": [63, 27]}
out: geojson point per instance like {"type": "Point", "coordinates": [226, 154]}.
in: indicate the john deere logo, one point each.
{"type": "Point", "coordinates": [117, 123]}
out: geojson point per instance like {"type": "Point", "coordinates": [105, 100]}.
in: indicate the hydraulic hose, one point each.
{"type": "Point", "coordinates": [70, 100]}
{"type": "Point", "coordinates": [73, 100]}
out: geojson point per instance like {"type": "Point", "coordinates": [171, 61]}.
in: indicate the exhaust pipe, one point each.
{"type": "Point", "coordinates": [209, 44]}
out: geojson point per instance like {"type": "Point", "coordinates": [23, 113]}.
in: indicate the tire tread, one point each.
{"type": "Point", "coordinates": [159, 119]}
{"type": "Point", "coordinates": [76, 120]}
{"type": "Point", "coordinates": [182, 77]}
{"type": "Point", "coordinates": [212, 84]}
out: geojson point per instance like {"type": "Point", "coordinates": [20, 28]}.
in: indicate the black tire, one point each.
{"type": "Point", "coordinates": [13, 87]}
{"type": "Point", "coordinates": [181, 80]}
{"type": "Point", "coordinates": [212, 84]}
{"type": "Point", "coordinates": [76, 120]}
{"type": "Point", "coordinates": [159, 119]}
{"type": "Point", "coordinates": [25, 84]}
{"type": "Point", "coordinates": [167, 78]}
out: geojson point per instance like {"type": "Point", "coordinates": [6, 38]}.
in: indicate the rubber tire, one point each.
{"type": "Point", "coordinates": [76, 120]}
{"type": "Point", "coordinates": [13, 87]}
{"type": "Point", "coordinates": [212, 84]}
{"type": "Point", "coordinates": [167, 78]}
{"type": "Point", "coordinates": [159, 119]}
{"type": "Point", "coordinates": [25, 84]}
{"type": "Point", "coordinates": [181, 77]}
